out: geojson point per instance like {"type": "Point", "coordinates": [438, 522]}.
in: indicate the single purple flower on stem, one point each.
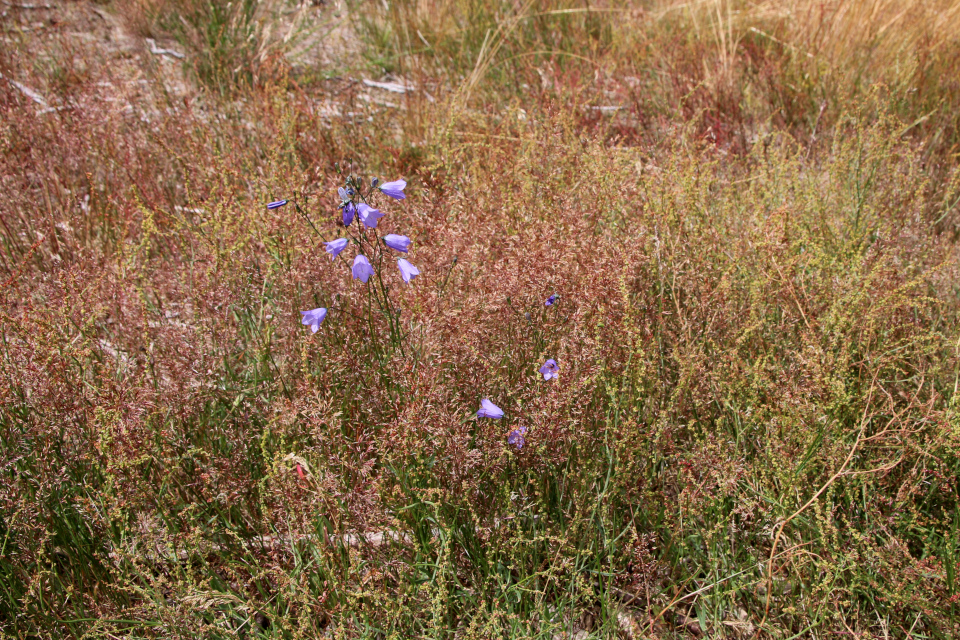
{"type": "Point", "coordinates": [489, 410]}
{"type": "Point", "coordinates": [361, 268]}
{"type": "Point", "coordinates": [397, 243]}
{"type": "Point", "coordinates": [334, 247]}
{"type": "Point", "coordinates": [369, 215]}
{"type": "Point", "coordinates": [549, 301]}
{"type": "Point", "coordinates": [277, 204]}
{"type": "Point", "coordinates": [516, 437]}
{"type": "Point", "coordinates": [407, 271]}
{"type": "Point", "coordinates": [313, 318]}
{"type": "Point", "coordinates": [349, 211]}
{"type": "Point", "coordinates": [394, 189]}
{"type": "Point", "coordinates": [550, 369]}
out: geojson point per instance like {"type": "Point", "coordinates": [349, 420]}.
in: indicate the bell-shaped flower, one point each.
{"type": "Point", "coordinates": [550, 369]}
{"type": "Point", "coordinates": [276, 204]}
{"type": "Point", "coordinates": [549, 301]}
{"type": "Point", "coordinates": [313, 318]}
{"type": "Point", "coordinates": [394, 189]}
{"type": "Point", "coordinates": [516, 437]}
{"type": "Point", "coordinates": [397, 243]}
{"type": "Point", "coordinates": [349, 211]}
{"type": "Point", "coordinates": [407, 271]}
{"type": "Point", "coordinates": [361, 268]}
{"type": "Point", "coordinates": [368, 215]}
{"type": "Point", "coordinates": [334, 247]}
{"type": "Point", "coordinates": [489, 410]}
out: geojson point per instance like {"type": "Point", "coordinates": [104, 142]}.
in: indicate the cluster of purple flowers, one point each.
{"type": "Point", "coordinates": [353, 206]}
{"type": "Point", "coordinates": [369, 217]}
{"type": "Point", "coordinates": [550, 370]}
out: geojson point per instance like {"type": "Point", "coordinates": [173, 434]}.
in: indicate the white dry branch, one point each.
{"type": "Point", "coordinates": [27, 91]}
{"type": "Point", "coordinates": [24, 5]}
{"type": "Point", "coordinates": [373, 538]}
{"type": "Point", "coordinates": [607, 110]}
{"type": "Point", "coordinates": [155, 50]}
{"type": "Point", "coordinates": [392, 87]}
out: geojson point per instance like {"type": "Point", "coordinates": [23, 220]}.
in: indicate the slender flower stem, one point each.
{"type": "Point", "coordinates": [370, 245]}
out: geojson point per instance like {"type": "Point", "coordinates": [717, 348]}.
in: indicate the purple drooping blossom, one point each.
{"type": "Point", "coordinates": [276, 204]}
{"type": "Point", "coordinates": [369, 215]}
{"type": "Point", "coordinates": [349, 211]}
{"type": "Point", "coordinates": [397, 243]}
{"type": "Point", "coordinates": [407, 271]}
{"type": "Point", "coordinates": [394, 189]}
{"type": "Point", "coordinates": [334, 247]}
{"type": "Point", "coordinates": [550, 301]}
{"type": "Point", "coordinates": [516, 437]}
{"type": "Point", "coordinates": [489, 410]}
{"type": "Point", "coordinates": [361, 268]}
{"type": "Point", "coordinates": [550, 369]}
{"type": "Point", "coordinates": [313, 318]}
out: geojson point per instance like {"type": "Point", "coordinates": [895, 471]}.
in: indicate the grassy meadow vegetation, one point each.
{"type": "Point", "coordinates": [749, 211]}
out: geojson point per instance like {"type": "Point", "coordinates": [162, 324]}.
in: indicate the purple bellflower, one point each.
{"type": "Point", "coordinates": [397, 243]}
{"type": "Point", "coordinates": [334, 247]}
{"type": "Point", "coordinates": [550, 369]}
{"type": "Point", "coordinates": [361, 268]}
{"type": "Point", "coordinates": [313, 318]}
{"type": "Point", "coordinates": [407, 271]}
{"type": "Point", "coordinates": [489, 410]}
{"type": "Point", "coordinates": [277, 204]}
{"type": "Point", "coordinates": [516, 437]}
{"type": "Point", "coordinates": [394, 189]}
{"type": "Point", "coordinates": [349, 211]}
{"type": "Point", "coordinates": [550, 301]}
{"type": "Point", "coordinates": [369, 215]}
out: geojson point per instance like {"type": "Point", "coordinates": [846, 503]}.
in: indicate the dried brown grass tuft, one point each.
{"type": "Point", "coordinates": [754, 426]}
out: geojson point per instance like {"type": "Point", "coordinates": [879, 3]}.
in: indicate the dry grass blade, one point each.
{"type": "Point", "coordinates": [699, 257]}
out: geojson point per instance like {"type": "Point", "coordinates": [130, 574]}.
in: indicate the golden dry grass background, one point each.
{"type": "Point", "coordinates": [748, 210]}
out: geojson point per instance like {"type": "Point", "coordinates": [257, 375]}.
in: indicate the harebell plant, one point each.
{"type": "Point", "coordinates": [358, 224]}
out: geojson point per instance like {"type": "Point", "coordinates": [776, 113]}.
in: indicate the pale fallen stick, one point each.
{"type": "Point", "coordinates": [154, 49]}
{"type": "Point", "coordinates": [17, 5]}
{"type": "Point", "coordinates": [373, 538]}
{"type": "Point", "coordinates": [393, 87]}
{"type": "Point", "coordinates": [27, 91]}
{"type": "Point", "coordinates": [606, 109]}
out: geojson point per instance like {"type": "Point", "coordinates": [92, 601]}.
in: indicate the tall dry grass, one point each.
{"type": "Point", "coordinates": [754, 433]}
